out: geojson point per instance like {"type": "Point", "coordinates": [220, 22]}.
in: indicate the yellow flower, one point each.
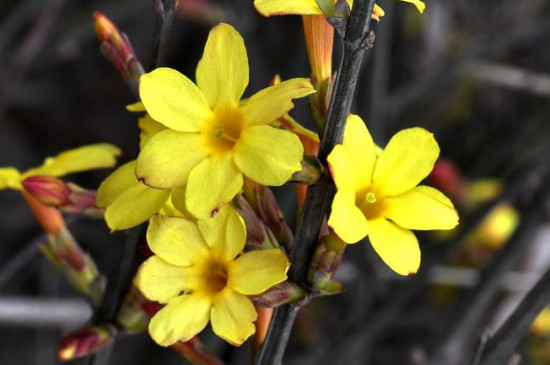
{"type": "Point", "coordinates": [378, 196]}
{"type": "Point", "coordinates": [127, 201]}
{"type": "Point", "coordinates": [310, 7]}
{"type": "Point", "coordinates": [199, 272]}
{"type": "Point", "coordinates": [213, 137]}
{"type": "Point", "coordinates": [84, 158]}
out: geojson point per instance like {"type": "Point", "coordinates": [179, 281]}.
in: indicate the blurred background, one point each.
{"type": "Point", "coordinates": [476, 74]}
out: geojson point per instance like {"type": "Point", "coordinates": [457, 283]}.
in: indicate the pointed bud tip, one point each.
{"type": "Point", "coordinates": [48, 190]}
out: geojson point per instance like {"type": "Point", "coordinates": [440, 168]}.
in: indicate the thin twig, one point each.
{"type": "Point", "coordinates": [165, 10]}
{"type": "Point", "coordinates": [117, 285]}
{"type": "Point", "coordinates": [320, 195]}
{"type": "Point", "coordinates": [502, 345]}
{"type": "Point", "coordinates": [475, 305]}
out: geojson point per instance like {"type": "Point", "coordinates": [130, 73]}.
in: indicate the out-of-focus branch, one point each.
{"type": "Point", "coordinates": [41, 312]}
{"type": "Point", "coordinates": [511, 77]}
{"type": "Point", "coordinates": [30, 47]}
{"type": "Point", "coordinates": [501, 346]}
{"type": "Point", "coordinates": [475, 305]}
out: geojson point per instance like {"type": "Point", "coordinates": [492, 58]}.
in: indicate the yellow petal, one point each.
{"type": "Point", "coordinates": [183, 318]}
{"type": "Point", "coordinates": [232, 317]}
{"type": "Point", "coordinates": [178, 201]}
{"type": "Point", "coordinates": [362, 150]}
{"type": "Point", "coordinates": [225, 233]}
{"type": "Point", "coordinates": [134, 206]}
{"type": "Point", "coordinates": [168, 157]}
{"type": "Point", "coordinates": [275, 101]}
{"type": "Point", "coordinates": [342, 169]}
{"type": "Point", "coordinates": [90, 157]}
{"type": "Point", "coordinates": [222, 72]}
{"type": "Point", "coordinates": [159, 280]}
{"type": "Point", "coordinates": [176, 240]}
{"type": "Point", "coordinates": [283, 7]}
{"type": "Point", "coordinates": [268, 155]}
{"type": "Point", "coordinates": [420, 209]}
{"type": "Point", "coordinates": [396, 246]}
{"type": "Point", "coordinates": [256, 271]}
{"type": "Point", "coordinates": [148, 127]}
{"type": "Point", "coordinates": [115, 184]}
{"type": "Point", "coordinates": [214, 181]}
{"type": "Point", "coordinates": [10, 178]}
{"type": "Point", "coordinates": [407, 159]}
{"type": "Point", "coordinates": [346, 219]}
{"type": "Point", "coordinates": [173, 100]}
{"type": "Point", "coordinates": [419, 4]}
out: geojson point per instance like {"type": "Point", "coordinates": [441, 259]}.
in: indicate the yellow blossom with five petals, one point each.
{"type": "Point", "coordinates": [201, 274]}
{"type": "Point", "coordinates": [378, 196]}
{"type": "Point", "coordinates": [126, 200]}
{"type": "Point", "coordinates": [310, 7]}
{"type": "Point", "coordinates": [213, 137]}
{"type": "Point", "coordinates": [90, 157]}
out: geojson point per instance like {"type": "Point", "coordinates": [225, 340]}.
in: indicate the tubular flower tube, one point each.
{"type": "Point", "coordinates": [90, 157]}
{"type": "Point", "coordinates": [214, 138]}
{"type": "Point", "coordinates": [310, 7]}
{"type": "Point", "coordinates": [201, 274]}
{"type": "Point", "coordinates": [84, 158]}
{"type": "Point", "coordinates": [378, 196]}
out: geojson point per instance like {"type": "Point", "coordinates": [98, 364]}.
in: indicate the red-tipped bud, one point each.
{"type": "Point", "coordinates": [116, 47]}
{"type": "Point", "coordinates": [69, 197]}
{"type": "Point", "coordinates": [446, 177]}
{"type": "Point", "coordinates": [48, 190]}
{"type": "Point", "coordinates": [86, 341]}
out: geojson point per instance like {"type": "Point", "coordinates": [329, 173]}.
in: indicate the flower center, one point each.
{"type": "Point", "coordinates": [214, 274]}
{"type": "Point", "coordinates": [222, 132]}
{"type": "Point", "coordinates": [371, 202]}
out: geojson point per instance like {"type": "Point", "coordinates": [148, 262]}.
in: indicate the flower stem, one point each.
{"type": "Point", "coordinates": [165, 10]}
{"type": "Point", "coordinates": [319, 196]}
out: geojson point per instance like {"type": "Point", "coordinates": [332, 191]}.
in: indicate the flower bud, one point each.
{"type": "Point", "coordinates": [326, 260]}
{"type": "Point", "coordinates": [312, 171]}
{"type": "Point", "coordinates": [116, 47]}
{"type": "Point", "coordinates": [86, 341]}
{"type": "Point", "coordinates": [258, 236]}
{"type": "Point", "coordinates": [446, 177]}
{"type": "Point", "coordinates": [48, 190]}
{"type": "Point", "coordinates": [279, 294]}
{"type": "Point", "coordinates": [69, 197]}
{"type": "Point", "coordinates": [76, 266]}
{"type": "Point", "coordinates": [264, 204]}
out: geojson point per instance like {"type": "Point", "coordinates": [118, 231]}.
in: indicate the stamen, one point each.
{"type": "Point", "coordinates": [221, 272]}
{"type": "Point", "coordinates": [220, 133]}
{"type": "Point", "coordinates": [371, 198]}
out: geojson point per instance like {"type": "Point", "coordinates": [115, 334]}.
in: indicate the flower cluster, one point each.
{"type": "Point", "coordinates": [202, 144]}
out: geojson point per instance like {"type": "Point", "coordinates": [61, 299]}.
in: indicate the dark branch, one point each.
{"type": "Point", "coordinates": [501, 346]}
{"type": "Point", "coordinates": [165, 10]}
{"type": "Point", "coordinates": [319, 196]}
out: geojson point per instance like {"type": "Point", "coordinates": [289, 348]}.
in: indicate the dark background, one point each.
{"type": "Point", "coordinates": [474, 73]}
